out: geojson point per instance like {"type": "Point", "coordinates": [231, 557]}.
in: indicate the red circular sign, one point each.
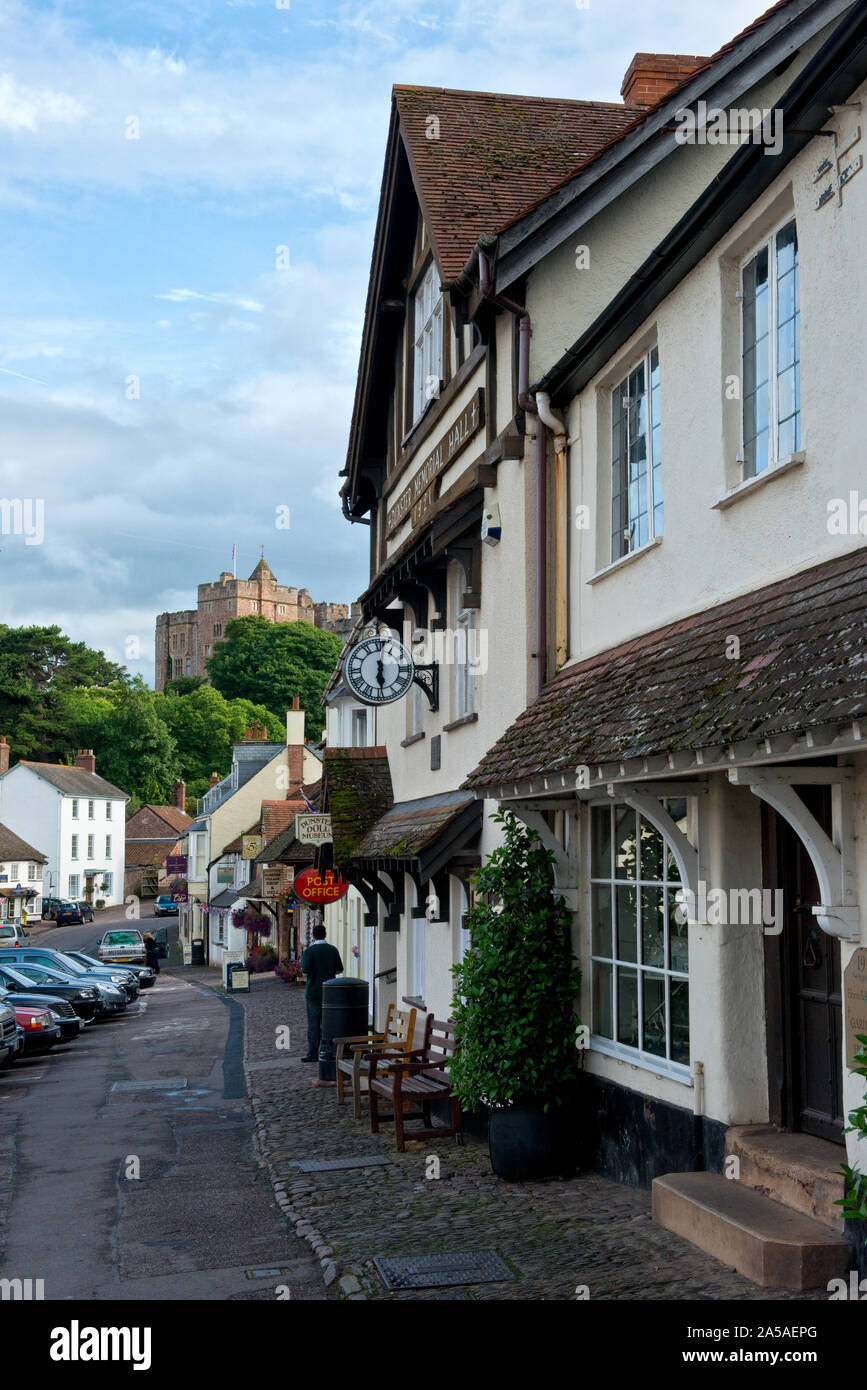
{"type": "Point", "coordinates": [312, 887]}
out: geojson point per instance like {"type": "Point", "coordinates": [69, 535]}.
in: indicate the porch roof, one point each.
{"type": "Point", "coordinates": [421, 835]}
{"type": "Point", "coordinates": [800, 670]}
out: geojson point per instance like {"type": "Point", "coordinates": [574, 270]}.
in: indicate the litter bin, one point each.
{"type": "Point", "coordinates": [198, 956]}
{"type": "Point", "coordinates": [344, 1015]}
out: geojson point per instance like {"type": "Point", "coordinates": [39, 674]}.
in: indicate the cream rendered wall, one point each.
{"type": "Point", "coordinates": [243, 808]}
{"type": "Point", "coordinates": [780, 526]}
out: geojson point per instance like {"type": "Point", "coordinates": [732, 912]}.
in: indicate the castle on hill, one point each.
{"type": "Point", "coordinates": [185, 640]}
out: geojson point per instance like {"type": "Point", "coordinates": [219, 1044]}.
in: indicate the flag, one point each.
{"type": "Point", "coordinates": [307, 802]}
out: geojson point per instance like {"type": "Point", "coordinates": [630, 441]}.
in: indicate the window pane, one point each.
{"type": "Point", "coordinates": [601, 907]}
{"type": "Point", "coordinates": [654, 1014]}
{"type": "Point", "coordinates": [678, 933]}
{"type": "Point", "coordinates": [652, 927]}
{"type": "Point", "coordinates": [627, 1007]}
{"type": "Point", "coordinates": [652, 850]}
{"type": "Point", "coordinates": [603, 1000]}
{"type": "Point", "coordinates": [627, 924]}
{"type": "Point", "coordinates": [680, 1021]}
{"type": "Point", "coordinates": [624, 842]}
{"type": "Point", "coordinates": [600, 838]}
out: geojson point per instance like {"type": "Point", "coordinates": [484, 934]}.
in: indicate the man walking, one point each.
{"type": "Point", "coordinates": [320, 962]}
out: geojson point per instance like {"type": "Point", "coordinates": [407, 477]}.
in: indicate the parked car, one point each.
{"type": "Point", "coordinates": [62, 1012]}
{"type": "Point", "coordinates": [59, 960]}
{"type": "Point", "coordinates": [37, 1025]}
{"type": "Point", "coordinates": [49, 907]}
{"type": "Point", "coordinates": [11, 1037]}
{"type": "Point", "coordinates": [164, 907]}
{"type": "Point", "coordinates": [67, 913]}
{"type": "Point", "coordinates": [112, 998]}
{"type": "Point", "coordinates": [84, 998]}
{"type": "Point", "coordinates": [86, 911]}
{"type": "Point", "coordinates": [122, 948]}
{"type": "Point", "coordinates": [11, 933]}
{"type": "Point", "coordinates": [143, 973]}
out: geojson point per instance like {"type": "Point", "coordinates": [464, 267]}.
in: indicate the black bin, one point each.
{"type": "Point", "coordinates": [344, 1015]}
{"type": "Point", "coordinates": [198, 956]}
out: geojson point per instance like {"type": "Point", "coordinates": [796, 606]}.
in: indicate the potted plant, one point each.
{"type": "Point", "coordinates": [854, 1200]}
{"type": "Point", "coordinates": [514, 1010]}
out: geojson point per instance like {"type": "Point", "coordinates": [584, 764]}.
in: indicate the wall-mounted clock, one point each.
{"type": "Point", "coordinates": [379, 670]}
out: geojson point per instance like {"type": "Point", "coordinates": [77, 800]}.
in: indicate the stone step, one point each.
{"type": "Point", "coordinates": [796, 1169]}
{"type": "Point", "coordinates": [763, 1240]}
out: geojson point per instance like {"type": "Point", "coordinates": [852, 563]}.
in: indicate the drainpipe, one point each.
{"type": "Point", "coordinates": [561, 528]}
{"type": "Point", "coordinates": [528, 404]}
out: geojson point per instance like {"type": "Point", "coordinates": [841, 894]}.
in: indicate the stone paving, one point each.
{"type": "Point", "coordinates": [556, 1235]}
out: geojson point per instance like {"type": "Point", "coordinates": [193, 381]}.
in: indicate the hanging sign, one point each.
{"type": "Point", "coordinates": [313, 830]}
{"type": "Point", "coordinates": [313, 887]}
{"type": "Point", "coordinates": [276, 880]}
{"type": "Point", "coordinates": [176, 863]}
{"type": "Point", "coordinates": [855, 991]}
{"type": "Point", "coordinates": [250, 846]}
{"type": "Point", "coordinates": [225, 873]}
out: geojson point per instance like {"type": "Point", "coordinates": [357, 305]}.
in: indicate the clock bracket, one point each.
{"type": "Point", "coordinates": [428, 677]}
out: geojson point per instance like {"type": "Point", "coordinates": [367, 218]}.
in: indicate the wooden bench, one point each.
{"type": "Point", "coordinates": [397, 1038]}
{"type": "Point", "coordinates": [420, 1079]}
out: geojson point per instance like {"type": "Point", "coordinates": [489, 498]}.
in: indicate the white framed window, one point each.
{"type": "Point", "coordinates": [108, 846]}
{"type": "Point", "coordinates": [463, 647]}
{"type": "Point", "coordinates": [428, 328]}
{"type": "Point", "coordinates": [359, 728]}
{"type": "Point", "coordinates": [31, 872]}
{"type": "Point", "coordinates": [107, 882]}
{"type": "Point", "coordinates": [90, 841]}
{"type": "Point", "coordinates": [108, 810]}
{"type": "Point", "coordinates": [13, 873]}
{"type": "Point", "coordinates": [73, 854]}
{"type": "Point", "coordinates": [91, 810]}
{"type": "Point", "coordinates": [281, 609]}
{"type": "Point", "coordinates": [636, 458]}
{"type": "Point", "coordinates": [639, 950]}
{"type": "Point", "coordinates": [73, 885]}
{"type": "Point", "coordinates": [415, 710]}
{"type": "Point", "coordinates": [74, 809]}
{"type": "Point", "coordinates": [771, 353]}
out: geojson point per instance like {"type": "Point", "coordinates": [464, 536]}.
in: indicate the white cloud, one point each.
{"type": "Point", "coordinates": [183, 297]}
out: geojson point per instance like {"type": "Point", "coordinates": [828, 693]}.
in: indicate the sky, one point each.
{"type": "Point", "coordinates": [188, 192]}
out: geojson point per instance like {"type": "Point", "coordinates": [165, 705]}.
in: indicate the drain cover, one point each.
{"type": "Point", "coordinates": [168, 1083]}
{"type": "Point", "coordinates": [441, 1271]}
{"type": "Point", "coordinates": [334, 1165]}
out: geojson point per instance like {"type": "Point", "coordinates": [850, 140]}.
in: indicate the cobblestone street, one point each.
{"type": "Point", "coordinates": [556, 1235]}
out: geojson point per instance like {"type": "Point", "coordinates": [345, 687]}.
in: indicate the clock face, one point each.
{"type": "Point", "coordinates": [379, 670]}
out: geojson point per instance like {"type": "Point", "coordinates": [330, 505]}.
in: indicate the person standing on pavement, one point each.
{"type": "Point", "coordinates": [152, 953]}
{"type": "Point", "coordinates": [320, 962]}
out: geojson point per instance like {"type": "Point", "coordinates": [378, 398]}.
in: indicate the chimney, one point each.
{"type": "Point", "coordinates": [84, 759]}
{"type": "Point", "coordinates": [215, 777]}
{"type": "Point", "coordinates": [295, 744]}
{"type": "Point", "coordinates": [4, 754]}
{"type": "Point", "coordinates": [179, 795]}
{"type": "Point", "coordinates": [651, 76]}
{"type": "Point", "coordinates": [248, 734]}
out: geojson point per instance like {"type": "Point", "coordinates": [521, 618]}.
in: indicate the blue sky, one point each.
{"type": "Point", "coordinates": [259, 127]}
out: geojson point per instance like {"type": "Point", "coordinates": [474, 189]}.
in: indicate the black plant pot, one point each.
{"type": "Point", "coordinates": [527, 1143]}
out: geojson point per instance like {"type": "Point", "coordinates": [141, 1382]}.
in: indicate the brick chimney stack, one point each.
{"type": "Point", "coordinates": [4, 754]}
{"type": "Point", "coordinates": [179, 795]}
{"type": "Point", "coordinates": [651, 76]}
{"type": "Point", "coordinates": [215, 778]}
{"type": "Point", "coordinates": [295, 744]}
{"type": "Point", "coordinates": [85, 759]}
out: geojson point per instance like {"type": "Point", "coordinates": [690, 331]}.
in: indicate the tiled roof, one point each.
{"type": "Point", "coordinates": [276, 815]}
{"type": "Point", "coordinates": [802, 664]}
{"type": "Point", "coordinates": [356, 792]}
{"type": "Point", "coordinates": [411, 828]}
{"type": "Point", "coordinates": [12, 847]}
{"type": "Point", "coordinates": [74, 781]}
{"type": "Point", "coordinates": [495, 154]}
{"type": "Point", "coordinates": [285, 849]}
{"type": "Point", "coordinates": [172, 815]}
{"type": "Point", "coordinates": [144, 853]}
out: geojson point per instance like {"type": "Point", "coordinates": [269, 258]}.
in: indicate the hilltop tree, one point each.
{"type": "Point", "coordinates": [269, 663]}
{"type": "Point", "coordinates": [39, 667]}
{"type": "Point", "coordinates": [204, 725]}
{"type": "Point", "coordinates": [134, 748]}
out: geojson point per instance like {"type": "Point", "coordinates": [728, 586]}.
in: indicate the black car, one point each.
{"type": "Point", "coordinates": [143, 973]}
{"type": "Point", "coordinates": [66, 1018]}
{"type": "Point", "coordinates": [86, 911]}
{"type": "Point", "coordinates": [84, 998]}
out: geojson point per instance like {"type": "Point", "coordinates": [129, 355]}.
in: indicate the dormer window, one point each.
{"type": "Point", "coordinates": [428, 325]}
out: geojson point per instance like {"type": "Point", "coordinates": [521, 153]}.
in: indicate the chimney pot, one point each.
{"type": "Point", "coordinates": [296, 701]}
{"type": "Point", "coordinates": [215, 777]}
{"type": "Point", "coordinates": [85, 759]}
{"type": "Point", "coordinates": [179, 795]}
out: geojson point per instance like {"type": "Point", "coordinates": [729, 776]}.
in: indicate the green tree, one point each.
{"type": "Point", "coordinates": [183, 685]}
{"type": "Point", "coordinates": [269, 663]}
{"type": "Point", "coordinates": [134, 748]}
{"type": "Point", "coordinates": [39, 667]}
{"type": "Point", "coordinates": [204, 725]}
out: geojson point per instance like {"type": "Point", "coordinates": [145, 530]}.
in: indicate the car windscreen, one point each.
{"type": "Point", "coordinates": [59, 961]}
{"type": "Point", "coordinates": [41, 975]}
{"type": "Point", "coordinates": [7, 973]}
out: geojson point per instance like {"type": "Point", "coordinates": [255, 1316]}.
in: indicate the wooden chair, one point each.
{"type": "Point", "coordinates": [421, 1078]}
{"type": "Point", "coordinates": [396, 1039]}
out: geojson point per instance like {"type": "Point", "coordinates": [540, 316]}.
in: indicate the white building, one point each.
{"type": "Point", "coordinates": [77, 818]}
{"type": "Point", "coordinates": [21, 870]}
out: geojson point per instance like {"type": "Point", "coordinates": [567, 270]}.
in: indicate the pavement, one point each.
{"type": "Point", "coordinates": [587, 1237]}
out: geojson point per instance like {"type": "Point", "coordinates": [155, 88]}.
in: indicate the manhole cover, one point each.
{"type": "Point", "coordinates": [333, 1165]}
{"type": "Point", "coordinates": [441, 1271]}
{"type": "Point", "coordinates": [168, 1083]}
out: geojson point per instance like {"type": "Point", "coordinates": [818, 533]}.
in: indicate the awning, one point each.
{"type": "Point", "coordinates": [227, 898]}
{"type": "Point", "coordinates": [285, 849]}
{"type": "Point", "coordinates": [421, 836]}
{"type": "Point", "coordinates": [781, 670]}
{"type": "Point", "coordinates": [17, 892]}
